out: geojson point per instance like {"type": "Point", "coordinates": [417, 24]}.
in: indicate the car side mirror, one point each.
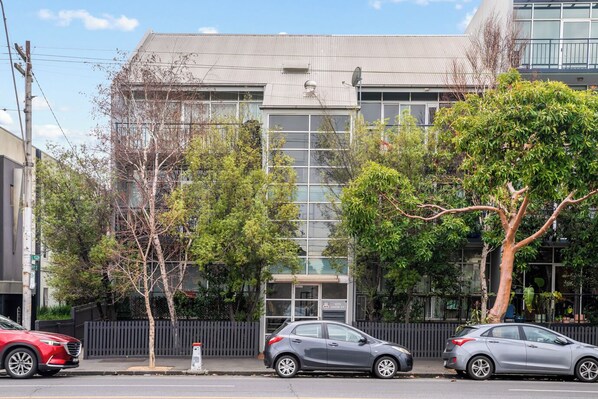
{"type": "Point", "coordinates": [561, 341]}
{"type": "Point", "coordinates": [363, 341]}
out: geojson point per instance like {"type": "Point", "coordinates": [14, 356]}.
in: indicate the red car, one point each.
{"type": "Point", "coordinates": [24, 353]}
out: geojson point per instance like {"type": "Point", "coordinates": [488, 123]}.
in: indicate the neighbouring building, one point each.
{"type": "Point", "coordinates": [11, 234]}
{"type": "Point", "coordinates": [291, 82]}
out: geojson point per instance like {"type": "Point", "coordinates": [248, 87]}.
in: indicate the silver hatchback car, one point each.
{"type": "Point", "coordinates": [480, 351]}
{"type": "Point", "coordinates": [328, 345]}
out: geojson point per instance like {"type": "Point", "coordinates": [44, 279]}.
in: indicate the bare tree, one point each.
{"type": "Point", "coordinates": [147, 139]}
{"type": "Point", "coordinates": [493, 49]}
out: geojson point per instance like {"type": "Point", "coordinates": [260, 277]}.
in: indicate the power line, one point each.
{"type": "Point", "coordinates": [52, 111]}
{"type": "Point", "coordinates": [14, 80]}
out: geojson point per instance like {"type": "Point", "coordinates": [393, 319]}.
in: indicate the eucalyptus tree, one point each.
{"type": "Point", "coordinates": [524, 144]}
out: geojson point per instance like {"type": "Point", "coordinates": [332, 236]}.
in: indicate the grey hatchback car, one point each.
{"type": "Point", "coordinates": [480, 351]}
{"type": "Point", "coordinates": [327, 345]}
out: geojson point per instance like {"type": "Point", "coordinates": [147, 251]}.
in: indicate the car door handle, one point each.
{"type": "Point", "coordinates": [333, 344]}
{"type": "Point", "coordinates": [532, 346]}
{"type": "Point", "coordinates": [494, 342]}
{"type": "Point", "coordinates": [297, 341]}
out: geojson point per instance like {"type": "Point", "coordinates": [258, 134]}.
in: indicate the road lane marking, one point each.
{"type": "Point", "coordinates": [551, 390]}
{"type": "Point", "coordinates": [120, 385]}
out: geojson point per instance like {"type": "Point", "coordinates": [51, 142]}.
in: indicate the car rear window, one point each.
{"type": "Point", "coordinates": [463, 330]}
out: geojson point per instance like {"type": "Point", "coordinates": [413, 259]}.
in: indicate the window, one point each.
{"type": "Point", "coordinates": [506, 332]}
{"type": "Point", "coordinates": [309, 330]}
{"type": "Point", "coordinates": [536, 334]}
{"type": "Point", "coordinates": [341, 333]}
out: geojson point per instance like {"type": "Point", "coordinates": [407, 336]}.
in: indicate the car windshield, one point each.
{"type": "Point", "coordinates": [8, 324]}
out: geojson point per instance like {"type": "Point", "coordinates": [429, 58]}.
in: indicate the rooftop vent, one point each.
{"type": "Point", "coordinates": [295, 67]}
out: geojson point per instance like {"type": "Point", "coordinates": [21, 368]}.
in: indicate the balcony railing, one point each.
{"type": "Point", "coordinates": [559, 53]}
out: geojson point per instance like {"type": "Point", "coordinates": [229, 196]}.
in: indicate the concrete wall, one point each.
{"type": "Point", "coordinates": [501, 8]}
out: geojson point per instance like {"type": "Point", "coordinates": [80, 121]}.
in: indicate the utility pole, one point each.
{"type": "Point", "coordinates": [28, 277]}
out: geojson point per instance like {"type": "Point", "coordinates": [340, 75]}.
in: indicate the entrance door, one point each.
{"type": "Point", "coordinates": [306, 303]}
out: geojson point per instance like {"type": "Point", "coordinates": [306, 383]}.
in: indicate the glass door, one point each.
{"type": "Point", "coordinates": [575, 44]}
{"type": "Point", "coordinates": [306, 303]}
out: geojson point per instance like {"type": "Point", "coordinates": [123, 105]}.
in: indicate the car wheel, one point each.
{"type": "Point", "coordinates": [21, 363]}
{"type": "Point", "coordinates": [385, 367]}
{"type": "Point", "coordinates": [286, 366]}
{"type": "Point", "coordinates": [47, 373]}
{"type": "Point", "coordinates": [587, 370]}
{"type": "Point", "coordinates": [480, 368]}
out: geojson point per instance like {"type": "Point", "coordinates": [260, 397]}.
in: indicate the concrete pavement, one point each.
{"type": "Point", "coordinates": [217, 366]}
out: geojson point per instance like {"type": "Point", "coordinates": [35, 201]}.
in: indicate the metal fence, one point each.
{"type": "Point", "coordinates": [241, 339]}
{"type": "Point", "coordinates": [424, 340]}
{"type": "Point", "coordinates": [130, 338]}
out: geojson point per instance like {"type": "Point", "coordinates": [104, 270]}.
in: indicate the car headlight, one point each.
{"type": "Point", "coordinates": [401, 349]}
{"type": "Point", "coordinates": [50, 342]}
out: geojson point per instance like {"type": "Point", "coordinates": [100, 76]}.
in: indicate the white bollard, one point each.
{"type": "Point", "coordinates": [196, 357]}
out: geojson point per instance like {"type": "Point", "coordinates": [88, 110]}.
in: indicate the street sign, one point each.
{"type": "Point", "coordinates": [35, 258]}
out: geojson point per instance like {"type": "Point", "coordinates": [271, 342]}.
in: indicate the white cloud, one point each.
{"type": "Point", "coordinates": [208, 30]}
{"type": "Point", "coordinates": [5, 119]}
{"type": "Point", "coordinates": [282, 33]}
{"type": "Point", "coordinates": [47, 131]}
{"type": "Point", "coordinates": [466, 20]}
{"type": "Point", "coordinates": [377, 4]}
{"type": "Point", "coordinates": [39, 104]}
{"type": "Point", "coordinates": [105, 21]}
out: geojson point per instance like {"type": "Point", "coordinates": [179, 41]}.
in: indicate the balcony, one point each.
{"type": "Point", "coordinates": [559, 54]}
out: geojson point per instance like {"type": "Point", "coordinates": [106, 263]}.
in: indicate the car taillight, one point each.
{"type": "Point", "coordinates": [274, 340]}
{"type": "Point", "coordinates": [461, 341]}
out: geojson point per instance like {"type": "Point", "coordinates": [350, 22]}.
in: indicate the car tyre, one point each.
{"type": "Point", "coordinates": [287, 366]}
{"type": "Point", "coordinates": [480, 368]}
{"type": "Point", "coordinates": [586, 370]}
{"type": "Point", "coordinates": [47, 373]}
{"type": "Point", "coordinates": [21, 363]}
{"type": "Point", "coordinates": [386, 367]}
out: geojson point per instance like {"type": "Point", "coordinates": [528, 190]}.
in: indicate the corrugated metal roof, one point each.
{"type": "Point", "coordinates": [239, 60]}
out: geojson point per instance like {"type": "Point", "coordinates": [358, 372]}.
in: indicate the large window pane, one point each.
{"type": "Point", "coordinates": [576, 10]}
{"type": "Point", "coordinates": [306, 292]}
{"type": "Point", "coordinates": [278, 290]}
{"type": "Point", "coordinates": [322, 212]}
{"type": "Point", "coordinates": [371, 112]}
{"type": "Point", "coordinates": [319, 229]}
{"type": "Point", "coordinates": [289, 122]}
{"type": "Point", "coordinates": [547, 11]}
{"type": "Point", "coordinates": [523, 11]}
{"type": "Point", "coordinates": [327, 266]}
{"type": "Point", "coordinates": [329, 140]}
{"type": "Point", "coordinates": [290, 140]}
{"type": "Point", "coordinates": [546, 30]}
{"type": "Point", "coordinates": [334, 123]}
{"type": "Point", "coordinates": [299, 157]}
{"type": "Point", "coordinates": [334, 291]}
{"type": "Point", "coordinates": [220, 110]}
{"type": "Point", "coordinates": [301, 194]}
{"type": "Point", "coordinates": [419, 113]}
{"type": "Point", "coordinates": [278, 308]}
{"type": "Point", "coordinates": [324, 193]}
{"type": "Point", "coordinates": [391, 112]}
{"type": "Point", "coordinates": [306, 308]}
{"type": "Point", "coordinates": [317, 247]}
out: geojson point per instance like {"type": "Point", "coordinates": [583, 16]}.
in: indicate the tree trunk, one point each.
{"type": "Point", "coordinates": [408, 306]}
{"type": "Point", "coordinates": [152, 332]}
{"type": "Point", "coordinates": [483, 283]}
{"type": "Point", "coordinates": [503, 297]}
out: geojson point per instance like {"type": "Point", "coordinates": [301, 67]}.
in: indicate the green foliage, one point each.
{"type": "Point", "coordinates": [406, 249]}
{"type": "Point", "coordinates": [540, 135]}
{"type": "Point", "coordinates": [60, 312]}
{"type": "Point", "coordinates": [528, 298]}
{"type": "Point", "coordinates": [74, 213]}
{"type": "Point", "coordinates": [241, 215]}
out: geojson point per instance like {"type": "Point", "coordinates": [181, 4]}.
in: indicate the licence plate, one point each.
{"type": "Point", "coordinates": [75, 360]}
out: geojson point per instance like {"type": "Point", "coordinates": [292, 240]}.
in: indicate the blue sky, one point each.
{"type": "Point", "coordinates": [69, 38]}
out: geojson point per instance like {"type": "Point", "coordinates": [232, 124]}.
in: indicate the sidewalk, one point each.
{"type": "Point", "coordinates": [217, 366]}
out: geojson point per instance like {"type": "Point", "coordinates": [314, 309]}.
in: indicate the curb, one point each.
{"type": "Point", "coordinates": [265, 373]}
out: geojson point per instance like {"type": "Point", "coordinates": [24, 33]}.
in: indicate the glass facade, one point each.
{"type": "Point", "coordinates": [558, 35]}
{"type": "Point", "coordinates": [304, 138]}
{"type": "Point", "coordinates": [389, 106]}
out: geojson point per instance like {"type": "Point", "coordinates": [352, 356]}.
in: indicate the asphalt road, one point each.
{"type": "Point", "coordinates": [308, 386]}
